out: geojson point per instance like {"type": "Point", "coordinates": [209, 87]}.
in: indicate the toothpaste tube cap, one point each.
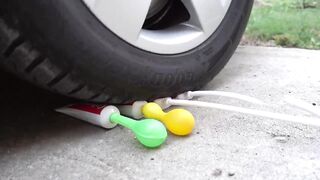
{"type": "Point", "coordinates": [134, 110]}
{"type": "Point", "coordinates": [105, 117]}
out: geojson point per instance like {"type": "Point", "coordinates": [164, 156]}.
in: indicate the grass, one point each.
{"type": "Point", "coordinates": [286, 23]}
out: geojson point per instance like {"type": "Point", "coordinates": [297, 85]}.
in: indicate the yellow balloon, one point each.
{"type": "Point", "coordinates": [178, 121]}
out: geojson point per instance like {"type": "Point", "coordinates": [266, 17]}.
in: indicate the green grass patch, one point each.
{"type": "Point", "coordinates": [289, 23]}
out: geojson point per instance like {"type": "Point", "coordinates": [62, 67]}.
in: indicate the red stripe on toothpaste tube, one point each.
{"type": "Point", "coordinates": [94, 114]}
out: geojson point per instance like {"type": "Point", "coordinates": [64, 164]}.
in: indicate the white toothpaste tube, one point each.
{"type": "Point", "coordinates": [94, 114]}
{"type": "Point", "coordinates": [134, 110]}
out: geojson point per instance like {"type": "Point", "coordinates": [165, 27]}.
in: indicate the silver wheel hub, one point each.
{"type": "Point", "coordinates": [126, 19]}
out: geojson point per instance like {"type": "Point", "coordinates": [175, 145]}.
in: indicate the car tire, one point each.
{"type": "Point", "coordinates": [63, 47]}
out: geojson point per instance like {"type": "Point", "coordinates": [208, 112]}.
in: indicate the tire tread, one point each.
{"type": "Point", "coordinates": [28, 63]}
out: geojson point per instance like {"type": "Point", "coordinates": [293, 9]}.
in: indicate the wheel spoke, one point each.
{"type": "Point", "coordinates": [123, 17]}
{"type": "Point", "coordinates": [205, 14]}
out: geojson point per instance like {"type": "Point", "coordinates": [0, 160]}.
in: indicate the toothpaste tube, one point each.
{"type": "Point", "coordinates": [98, 115]}
{"type": "Point", "coordinates": [134, 110]}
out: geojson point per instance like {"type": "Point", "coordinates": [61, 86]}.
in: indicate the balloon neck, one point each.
{"type": "Point", "coordinates": [159, 115]}
{"type": "Point", "coordinates": [122, 120]}
{"type": "Point", "coordinates": [153, 111]}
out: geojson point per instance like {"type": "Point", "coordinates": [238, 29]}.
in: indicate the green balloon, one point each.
{"type": "Point", "coordinates": [149, 132]}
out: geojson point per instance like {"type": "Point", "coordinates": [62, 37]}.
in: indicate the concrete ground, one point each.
{"type": "Point", "coordinates": [37, 143]}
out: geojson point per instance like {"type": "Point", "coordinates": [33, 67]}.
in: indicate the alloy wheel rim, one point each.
{"type": "Point", "coordinates": [126, 18]}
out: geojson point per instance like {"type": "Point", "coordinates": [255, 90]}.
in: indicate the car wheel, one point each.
{"type": "Point", "coordinates": [120, 51]}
